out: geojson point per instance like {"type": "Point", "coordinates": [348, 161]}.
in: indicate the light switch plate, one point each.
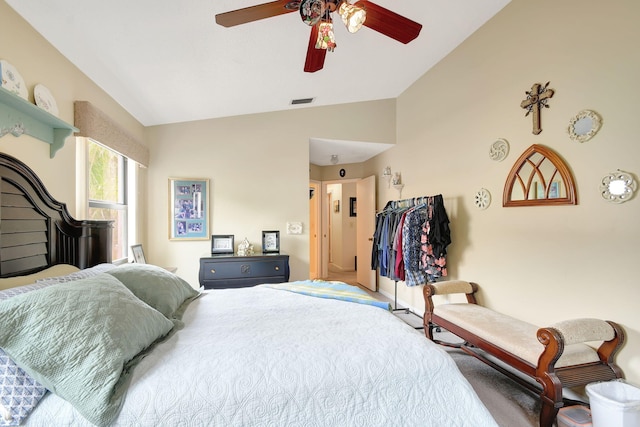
{"type": "Point", "coordinates": [294, 228]}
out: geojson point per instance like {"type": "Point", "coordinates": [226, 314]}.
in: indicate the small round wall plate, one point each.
{"type": "Point", "coordinates": [44, 99]}
{"type": "Point", "coordinates": [499, 150]}
{"type": "Point", "coordinates": [11, 80]}
{"type": "Point", "coordinates": [482, 199]}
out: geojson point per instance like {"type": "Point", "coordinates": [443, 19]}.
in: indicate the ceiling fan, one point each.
{"type": "Point", "coordinates": [317, 14]}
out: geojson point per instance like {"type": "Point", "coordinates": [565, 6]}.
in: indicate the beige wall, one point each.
{"type": "Point", "coordinates": [332, 173]}
{"type": "Point", "coordinates": [38, 62]}
{"type": "Point", "coordinates": [540, 264]}
{"type": "Point", "coordinates": [258, 167]}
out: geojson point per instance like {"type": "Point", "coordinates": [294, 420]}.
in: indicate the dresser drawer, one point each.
{"type": "Point", "coordinates": [238, 269]}
{"type": "Point", "coordinates": [218, 272]}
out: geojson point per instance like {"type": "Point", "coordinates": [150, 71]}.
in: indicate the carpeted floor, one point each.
{"type": "Point", "coordinates": [510, 404]}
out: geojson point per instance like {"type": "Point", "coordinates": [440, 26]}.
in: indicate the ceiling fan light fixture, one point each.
{"type": "Point", "coordinates": [326, 39]}
{"type": "Point", "coordinates": [352, 16]}
{"type": "Point", "coordinates": [312, 11]}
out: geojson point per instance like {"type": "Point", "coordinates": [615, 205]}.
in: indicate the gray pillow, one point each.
{"type": "Point", "coordinates": [19, 393]}
{"type": "Point", "coordinates": [162, 290]}
{"type": "Point", "coordinates": [81, 340]}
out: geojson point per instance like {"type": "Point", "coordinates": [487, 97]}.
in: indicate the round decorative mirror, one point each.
{"type": "Point", "coordinates": [617, 187]}
{"type": "Point", "coordinates": [584, 125]}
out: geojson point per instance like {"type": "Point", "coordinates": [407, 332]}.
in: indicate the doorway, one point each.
{"type": "Point", "coordinates": [340, 233]}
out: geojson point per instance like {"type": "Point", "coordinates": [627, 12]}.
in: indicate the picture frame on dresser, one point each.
{"type": "Point", "coordinates": [188, 209]}
{"type": "Point", "coordinates": [138, 254]}
{"type": "Point", "coordinates": [271, 242]}
{"type": "Point", "coordinates": [222, 244]}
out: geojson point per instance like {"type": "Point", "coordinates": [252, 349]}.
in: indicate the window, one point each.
{"type": "Point", "coordinates": [107, 192]}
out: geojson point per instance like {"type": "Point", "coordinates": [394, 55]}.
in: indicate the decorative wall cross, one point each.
{"type": "Point", "coordinates": [537, 98]}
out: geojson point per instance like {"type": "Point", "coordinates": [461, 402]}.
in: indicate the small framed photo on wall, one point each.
{"type": "Point", "coordinates": [222, 244]}
{"type": "Point", "coordinates": [352, 206]}
{"type": "Point", "coordinates": [188, 209]}
{"type": "Point", "coordinates": [270, 242]}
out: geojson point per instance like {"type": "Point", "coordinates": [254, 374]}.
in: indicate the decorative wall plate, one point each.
{"type": "Point", "coordinates": [499, 150]}
{"type": "Point", "coordinates": [584, 125]}
{"type": "Point", "coordinates": [44, 99]}
{"type": "Point", "coordinates": [482, 199]}
{"type": "Point", "coordinates": [11, 80]}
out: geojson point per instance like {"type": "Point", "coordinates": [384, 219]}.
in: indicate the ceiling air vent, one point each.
{"type": "Point", "coordinates": [301, 101]}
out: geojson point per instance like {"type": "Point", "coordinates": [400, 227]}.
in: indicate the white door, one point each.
{"type": "Point", "coordinates": [314, 229]}
{"type": "Point", "coordinates": [366, 224]}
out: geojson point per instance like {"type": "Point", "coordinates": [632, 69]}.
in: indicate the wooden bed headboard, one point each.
{"type": "Point", "coordinates": [37, 231]}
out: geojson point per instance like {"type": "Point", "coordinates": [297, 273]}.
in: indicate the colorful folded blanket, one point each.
{"type": "Point", "coordinates": [333, 290]}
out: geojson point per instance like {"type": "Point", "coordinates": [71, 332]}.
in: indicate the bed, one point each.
{"type": "Point", "coordinates": [135, 345]}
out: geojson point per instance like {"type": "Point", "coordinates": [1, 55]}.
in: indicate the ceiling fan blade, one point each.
{"type": "Point", "coordinates": [389, 23]}
{"type": "Point", "coordinates": [255, 13]}
{"type": "Point", "coordinates": [315, 57]}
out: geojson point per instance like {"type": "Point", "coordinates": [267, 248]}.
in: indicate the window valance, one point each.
{"type": "Point", "coordinates": [96, 125]}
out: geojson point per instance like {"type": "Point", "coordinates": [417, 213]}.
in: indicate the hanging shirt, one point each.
{"type": "Point", "coordinates": [411, 246]}
{"type": "Point", "coordinates": [434, 238]}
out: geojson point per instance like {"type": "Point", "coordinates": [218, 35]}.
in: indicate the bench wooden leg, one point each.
{"type": "Point", "coordinates": [548, 414]}
{"type": "Point", "coordinates": [551, 398]}
{"type": "Point", "coordinates": [428, 330]}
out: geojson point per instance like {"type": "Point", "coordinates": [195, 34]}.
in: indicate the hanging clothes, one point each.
{"type": "Point", "coordinates": [435, 238]}
{"type": "Point", "coordinates": [410, 240]}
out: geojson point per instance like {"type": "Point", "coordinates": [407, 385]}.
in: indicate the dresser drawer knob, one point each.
{"type": "Point", "coordinates": [277, 268]}
{"type": "Point", "coordinates": [213, 271]}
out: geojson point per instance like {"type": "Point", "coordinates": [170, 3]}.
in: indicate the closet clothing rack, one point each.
{"type": "Point", "coordinates": [410, 242]}
{"type": "Point", "coordinates": [405, 310]}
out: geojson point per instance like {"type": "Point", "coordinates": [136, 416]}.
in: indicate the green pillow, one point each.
{"type": "Point", "coordinates": [81, 340]}
{"type": "Point", "coordinates": [162, 290]}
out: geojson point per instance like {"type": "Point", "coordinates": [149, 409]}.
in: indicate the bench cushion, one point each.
{"type": "Point", "coordinates": [512, 335]}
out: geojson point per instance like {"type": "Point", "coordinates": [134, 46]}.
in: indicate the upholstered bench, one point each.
{"type": "Point", "coordinates": [556, 356]}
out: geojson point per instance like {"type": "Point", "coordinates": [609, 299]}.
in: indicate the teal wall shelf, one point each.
{"type": "Point", "coordinates": [18, 116]}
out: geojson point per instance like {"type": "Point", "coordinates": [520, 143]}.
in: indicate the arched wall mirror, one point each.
{"type": "Point", "coordinates": [539, 177]}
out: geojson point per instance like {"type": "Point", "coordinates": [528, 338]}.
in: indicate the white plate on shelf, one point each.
{"type": "Point", "coordinates": [11, 80]}
{"type": "Point", "coordinates": [44, 99]}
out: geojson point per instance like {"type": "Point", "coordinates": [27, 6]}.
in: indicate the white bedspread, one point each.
{"type": "Point", "coordinates": [267, 357]}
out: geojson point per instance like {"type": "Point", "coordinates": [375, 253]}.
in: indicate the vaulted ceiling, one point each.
{"type": "Point", "coordinates": [168, 61]}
